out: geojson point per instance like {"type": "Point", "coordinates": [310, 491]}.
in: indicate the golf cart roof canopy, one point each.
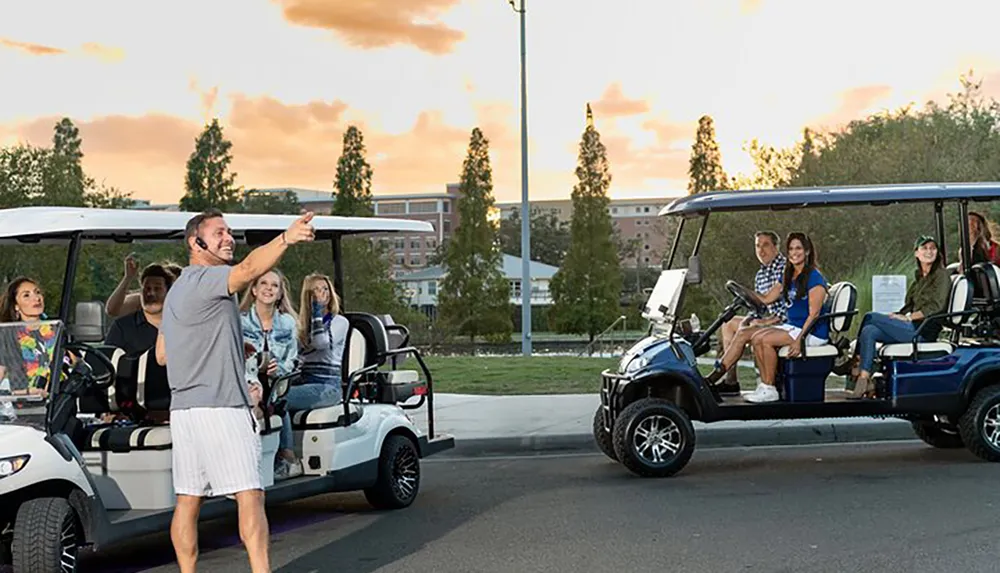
{"type": "Point", "coordinates": [805, 197]}
{"type": "Point", "coordinates": [57, 224]}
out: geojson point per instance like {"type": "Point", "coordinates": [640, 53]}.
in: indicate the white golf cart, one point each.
{"type": "Point", "coordinates": [70, 479]}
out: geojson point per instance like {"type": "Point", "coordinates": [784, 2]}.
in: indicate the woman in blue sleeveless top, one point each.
{"type": "Point", "coordinates": [804, 290]}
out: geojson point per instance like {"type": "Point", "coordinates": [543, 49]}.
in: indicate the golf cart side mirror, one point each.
{"type": "Point", "coordinates": [694, 271]}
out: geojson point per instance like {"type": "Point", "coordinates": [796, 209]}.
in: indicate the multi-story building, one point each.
{"type": "Point", "coordinates": [409, 252]}
{"type": "Point", "coordinates": [636, 220]}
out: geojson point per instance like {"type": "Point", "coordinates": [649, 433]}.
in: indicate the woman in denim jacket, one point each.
{"type": "Point", "coordinates": [269, 327]}
{"type": "Point", "coordinates": [322, 333]}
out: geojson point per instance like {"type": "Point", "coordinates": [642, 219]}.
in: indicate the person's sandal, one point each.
{"type": "Point", "coordinates": [862, 387]}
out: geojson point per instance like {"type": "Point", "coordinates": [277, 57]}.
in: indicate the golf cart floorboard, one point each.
{"type": "Point", "coordinates": [835, 404]}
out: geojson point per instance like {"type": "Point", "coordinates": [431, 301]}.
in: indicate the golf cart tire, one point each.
{"type": "Point", "coordinates": [38, 535]}
{"type": "Point", "coordinates": [391, 490]}
{"type": "Point", "coordinates": [934, 434]}
{"type": "Point", "coordinates": [632, 417]}
{"type": "Point", "coordinates": [603, 437]}
{"type": "Point", "coordinates": [971, 424]}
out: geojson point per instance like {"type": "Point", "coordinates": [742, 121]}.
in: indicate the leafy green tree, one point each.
{"type": "Point", "coordinates": [474, 298]}
{"type": "Point", "coordinates": [270, 203]}
{"type": "Point", "coordinates": [353, 183]}
{"type": "Point", "coordinates": [208, 182]}
{"type": "Point", "coordinates": [705, 172]}
{"type": "Point", "coordinates": [23, 172]}
{"type": "Point", "coordinates": [549, 237]}
{"type": "Point", "coordinates": [586, 291]}
{"type": "Point", "coordinates": [65, 182]}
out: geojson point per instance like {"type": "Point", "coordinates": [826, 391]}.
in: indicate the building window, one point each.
{"type": "Point", "coordinates": [645, 209]}
{"type": "Point", "coordinates": [400, 244]}
{"type": "Point", "coordinates": [423, 207]}
{"type": "Point", "coordinates": [414, 244]}
{"type": "Point", "coordinates": [414, 260]}
{"type": "Point", "coordinates": [646, 247]}
{"type": "Point", "coordinates": [432, 287]}
{"type": "Point", "coordinates": [447, 206]}
{"type": "Point", "coordinates": [647, 259]}
{"type": "Point", "coordinates": [515, 288]}
{"type": "Point", "coordinates": [446, 226]}
{"type": "Point", "coordinates": [391, 208]}
{"type": "Point", "coordinates": [400, 260]}
{"type": "Point", "coordinates": [614, 210]}
{"type": "Point", "coordinates": [432, 243]}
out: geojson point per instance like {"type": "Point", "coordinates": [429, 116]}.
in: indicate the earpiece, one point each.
{"type": "Point", "coordinates": [201, 243]}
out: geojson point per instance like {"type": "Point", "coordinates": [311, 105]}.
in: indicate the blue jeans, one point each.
{"type": "Point", "coordinates": [878, 327]}
{"type": "Point", "coordinates": [306, 397]}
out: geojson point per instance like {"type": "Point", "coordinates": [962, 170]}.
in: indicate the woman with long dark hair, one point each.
{"type": "Point", "coordinates": [926, 295]}
{"type": "Point", "coordinates": [803, 289]}
{"type": "Point", "coordinates": [28, 348]}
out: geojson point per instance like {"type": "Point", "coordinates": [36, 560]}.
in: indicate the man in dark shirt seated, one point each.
{"type": "Point", "coordinates": [136, 333]}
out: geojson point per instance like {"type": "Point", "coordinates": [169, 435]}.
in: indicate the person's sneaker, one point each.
{"type": "Point", "coordinates": [763, 393]}
{"type": "Point", "coordinates": [285, 469]}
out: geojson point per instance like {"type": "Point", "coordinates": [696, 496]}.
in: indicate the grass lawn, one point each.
{"type": "Point", "coordinates": [499, 375]}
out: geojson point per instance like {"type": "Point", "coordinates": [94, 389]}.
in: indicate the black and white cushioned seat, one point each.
{"type": "Point", "coordinates": [121, 439]}
{"type": "Point", "coordinates": [138, 379]}
{"type": "Point", "coordinates": [958, 302]}
{"type": "Point", "coordinates": [843, 297]}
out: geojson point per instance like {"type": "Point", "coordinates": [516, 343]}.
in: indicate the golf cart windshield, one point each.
{"type": "Point", "coordinates": [29, 363]}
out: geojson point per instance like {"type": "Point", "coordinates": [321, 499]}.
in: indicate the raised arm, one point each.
{"type": "Point", "coordinates": [266, 257]}
{"type": "Point", "coordinates": [120, 302]}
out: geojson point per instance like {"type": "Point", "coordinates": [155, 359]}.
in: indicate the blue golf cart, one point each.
{"type": "Point", "coordinates": [949, 389]}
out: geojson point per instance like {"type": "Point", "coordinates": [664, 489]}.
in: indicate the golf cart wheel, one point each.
{"type": "Point", "coordinates": [47, 536]}
{"type": "Point", "coordinates": [602, 436]}
{"type": "Point", "coordinates": [980, 424]}
{"type": "Point", "coordinates": [398, 475]}
{"type": "Point", "coordinates": [653, 438]}
{"type": "Point", "coordinates": [938, 435]}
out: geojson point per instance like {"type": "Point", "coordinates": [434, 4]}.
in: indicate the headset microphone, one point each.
{"type": "Point", "coordinates": [204, 246]}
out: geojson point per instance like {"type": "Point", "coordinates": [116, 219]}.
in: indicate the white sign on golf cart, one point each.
{"type": "Point", "coordinates": [888, 293]}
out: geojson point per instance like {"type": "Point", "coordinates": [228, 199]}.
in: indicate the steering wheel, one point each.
{"type": "Point", "coordinates": [85, 371]}
{"type": "Point", "coordinates": [746, 297]}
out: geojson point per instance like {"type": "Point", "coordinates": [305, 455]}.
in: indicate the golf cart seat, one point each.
{"type": "Point", "coordinates": [843, 297]}
{"type": "Point", "coordinates": [955, 317]}
{"type": "Point", "coordinates": [90, 322]}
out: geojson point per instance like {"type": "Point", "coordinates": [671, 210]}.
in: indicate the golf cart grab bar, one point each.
{"type": "Point", "coordinates": [430, 385]}
{"type": "Point", "coordinates": [826, 316]}
{"type": "Point", "coordinates": [927, 320]}
{"type": "Point", "coordinates": [406, 337]}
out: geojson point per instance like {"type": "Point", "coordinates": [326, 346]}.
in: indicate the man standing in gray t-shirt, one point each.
{"type": "Point", "coordinates": [216, 446]}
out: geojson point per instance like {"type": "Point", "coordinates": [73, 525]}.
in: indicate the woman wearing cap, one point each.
{"type": "Point", "coordinates": [925, 296]}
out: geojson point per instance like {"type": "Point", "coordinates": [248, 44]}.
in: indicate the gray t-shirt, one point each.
{"type": "Point", "coordinates": [204, 341]}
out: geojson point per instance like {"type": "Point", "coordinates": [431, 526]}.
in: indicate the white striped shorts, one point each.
{"type": "Point", "coordinates": [216, 451]}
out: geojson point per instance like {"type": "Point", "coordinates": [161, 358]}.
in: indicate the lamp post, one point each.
{"type": "Point", "coordinates": [525, 209]}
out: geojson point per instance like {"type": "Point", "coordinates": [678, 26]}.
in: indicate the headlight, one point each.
{"type": "Point", "coordinates": [637, 364]}
{"type": "Point", "coordinates": [10, 466]}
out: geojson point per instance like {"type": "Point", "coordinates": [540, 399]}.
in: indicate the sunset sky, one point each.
{"type": "Point", "coordinates": [286, 77]}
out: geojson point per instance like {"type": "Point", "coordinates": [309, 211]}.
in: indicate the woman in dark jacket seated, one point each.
{"type": "Point", "coordinates": [925, 296]}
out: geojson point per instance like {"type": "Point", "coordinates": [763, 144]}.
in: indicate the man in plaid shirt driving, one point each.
{"type": "Point", "coordinates": [772, 268]}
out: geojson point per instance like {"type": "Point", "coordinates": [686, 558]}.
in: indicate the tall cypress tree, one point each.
{"type": "Point", "coordinates": [353, 183]}
{"type": "Point", "coordinates": [706, 173]}
{"type": "Point", "coordinates": [209, 182]}
{"type": "Point", "coordinates": [586, 291]}
{"type": "Point", "coordinates": [475, 296]}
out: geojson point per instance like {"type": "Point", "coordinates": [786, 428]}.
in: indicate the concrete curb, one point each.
{"type": "Point", "coordinates": [707, 436]}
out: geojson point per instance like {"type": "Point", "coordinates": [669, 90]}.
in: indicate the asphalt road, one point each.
{"type": "Point", "coordinates": [879, 507]}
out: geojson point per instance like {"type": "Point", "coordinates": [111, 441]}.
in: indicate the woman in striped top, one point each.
{"type": "Point", "coordinates": [322, 333]}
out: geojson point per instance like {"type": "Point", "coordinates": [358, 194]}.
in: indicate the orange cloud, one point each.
{"type": "Point", "coordinates": [279, 144]}
{"type": "Point", "coordinates": [375, 24]}
{"type": "Point", "coordinates": [33, 49]}
{"type": "Point", "coordinates": [101, 52]}
{"type": "Point", "coordinates": [91, 49]}
{"type": "Point", "coordinates": [854, 104]}
{"type": "Point", "coordinates": [613, 103]}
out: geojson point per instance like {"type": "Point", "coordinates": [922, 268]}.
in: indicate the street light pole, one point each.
{"type": "Point", "coordinates": [525, 208]}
